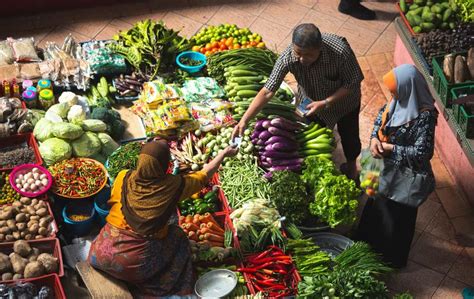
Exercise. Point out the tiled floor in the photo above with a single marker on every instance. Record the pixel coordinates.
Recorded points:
(440, 266)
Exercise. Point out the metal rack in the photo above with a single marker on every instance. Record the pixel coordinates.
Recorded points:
(466, 144)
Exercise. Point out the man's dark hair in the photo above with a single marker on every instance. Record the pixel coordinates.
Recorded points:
(307, 36)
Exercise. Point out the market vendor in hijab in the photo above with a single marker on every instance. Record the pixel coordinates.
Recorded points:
(137, 244)
(403, 134)
(328, 76)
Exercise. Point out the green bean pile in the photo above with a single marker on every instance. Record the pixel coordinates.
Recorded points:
(243, 181)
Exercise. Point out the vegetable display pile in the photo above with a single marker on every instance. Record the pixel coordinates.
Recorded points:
(16, 155)
(425, 16)
(274, 108)
(459, 68)
(32, 181)
(205, 201)
(315, 140)
(25, 290)
(288, 194)
(150, 46)
(26, 262)
(257, 225)
(129, 85)
(243, 181)
(125, 157)
(77, 177)
(309, 259)
(276, 144)
(100, 94)
(190, 62)
(7, 193)
(271, 272)
(260, 60)
(225, 37)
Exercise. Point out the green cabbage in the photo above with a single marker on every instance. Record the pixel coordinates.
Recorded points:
(43, 130)
(94, 125)
(54, 150)
(87, 145)
(60, 109)
(108, 144)
(76, 114)
(67, 131)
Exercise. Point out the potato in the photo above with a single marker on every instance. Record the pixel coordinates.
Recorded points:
(7, 276)
(5, 230)
(25, 200)
(35, 217)
(2, 237)
(5, 264)
(33, 229)
(17, 204)
(30, 210)
(22, 234)
(15, 210)
(45, 221)
(16, 235)
(5, 215)
(43, 231)
(49, 262)
(21, 226)
(33, 255)
(9, 238)
(42, 212)
(12, 225)
(18, 263)
(39, 237)
(22, 248)
(34, 269)
(28, 237)
(21, 217)
(17, 276)
(3, 223)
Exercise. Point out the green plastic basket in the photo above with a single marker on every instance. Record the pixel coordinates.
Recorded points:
(463, 117)
(441, 84)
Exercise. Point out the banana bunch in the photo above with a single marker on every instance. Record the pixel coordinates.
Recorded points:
(315, 140)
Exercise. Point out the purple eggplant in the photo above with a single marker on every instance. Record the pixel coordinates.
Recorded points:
(285, 162)
(258, 125)
(285, 124)
(280, 132)
(275, 139)
(295, 167)
(260, 142)
(266, 124)
(255, 133)
(280, 155)
(285, 146)
(264, 136)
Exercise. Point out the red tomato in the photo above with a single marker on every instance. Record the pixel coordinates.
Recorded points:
(215, 45)
(208, 47)
(223, 47)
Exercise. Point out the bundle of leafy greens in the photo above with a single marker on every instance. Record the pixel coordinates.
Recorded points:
(315, 168)
(288, 194)
(150, 46)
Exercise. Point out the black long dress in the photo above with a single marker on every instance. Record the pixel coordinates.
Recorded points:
(387, 225)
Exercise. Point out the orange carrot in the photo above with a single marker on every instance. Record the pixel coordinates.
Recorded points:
(181, 219)
(193, 236)
(196, 222)
(189, 219)
(213, 243)
(215, 227)
(192, 226)
(210, 230)
(208, 218)
(202, 225)
(213, 237)
(196, 216)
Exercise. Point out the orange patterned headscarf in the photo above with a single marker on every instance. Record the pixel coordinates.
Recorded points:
(390, 81)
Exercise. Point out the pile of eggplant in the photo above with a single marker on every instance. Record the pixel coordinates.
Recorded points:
(129, 85)
(275, 140)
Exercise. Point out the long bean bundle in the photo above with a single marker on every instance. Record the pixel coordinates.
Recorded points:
(360, 257)
(261, 60)
(310, 259)
(242, 181)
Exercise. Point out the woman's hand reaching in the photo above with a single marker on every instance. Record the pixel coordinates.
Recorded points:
(230, 151)
(376, 148)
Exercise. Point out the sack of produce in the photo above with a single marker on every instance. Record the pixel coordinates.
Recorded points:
(60, 109)
(54, 150)
(87, 145)
(108, 144)
(43, 130)
(369, 175)
(94, 125)
(67, 131)
(76, 114)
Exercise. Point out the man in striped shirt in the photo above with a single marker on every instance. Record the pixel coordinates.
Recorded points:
(328, 74)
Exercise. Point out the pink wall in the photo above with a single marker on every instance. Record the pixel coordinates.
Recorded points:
(448, 147)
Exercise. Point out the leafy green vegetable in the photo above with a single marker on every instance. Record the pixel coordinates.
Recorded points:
(309, 259)
(315, 168)
(403, 296)
(335, 200)
(288, 194)
(360, 257)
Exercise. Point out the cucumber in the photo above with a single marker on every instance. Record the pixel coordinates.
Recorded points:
(413, 6)
(426, 26)
(246, 79)
(247, 93)
(447, 14)
(238, 67)
(417, 29)
(255, 87)
(241, 73)
(417, 20)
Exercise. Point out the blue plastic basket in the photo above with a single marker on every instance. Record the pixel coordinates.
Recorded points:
(192, 55)
(100, 205)
(79, 228)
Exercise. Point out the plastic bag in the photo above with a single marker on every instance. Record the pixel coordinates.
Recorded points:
(6, 53)
(369, 175)
(24, 49)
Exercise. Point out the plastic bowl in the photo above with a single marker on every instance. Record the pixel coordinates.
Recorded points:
(22, 169)
(192, 55)
(79, 228)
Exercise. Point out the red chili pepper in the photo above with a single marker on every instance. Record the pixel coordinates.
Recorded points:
(258, 288)
(271, 259)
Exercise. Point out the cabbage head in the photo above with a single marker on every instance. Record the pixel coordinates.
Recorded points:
(108, 144)
(54, 150)
(67, 131)
(60, 109)
(43, 130)
(76, 114)
(87, 145)
(94, 125)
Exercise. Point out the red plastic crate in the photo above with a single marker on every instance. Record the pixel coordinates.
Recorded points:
(19, 139)
(53, 225)
(404, 18)
(50, 280)
(47, 245)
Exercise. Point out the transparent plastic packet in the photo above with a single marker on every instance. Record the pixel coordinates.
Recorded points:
(369, 175)
(6, 53)
(24, 49)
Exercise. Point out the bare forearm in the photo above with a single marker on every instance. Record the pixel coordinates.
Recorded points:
(262, 98)
(212, 167)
